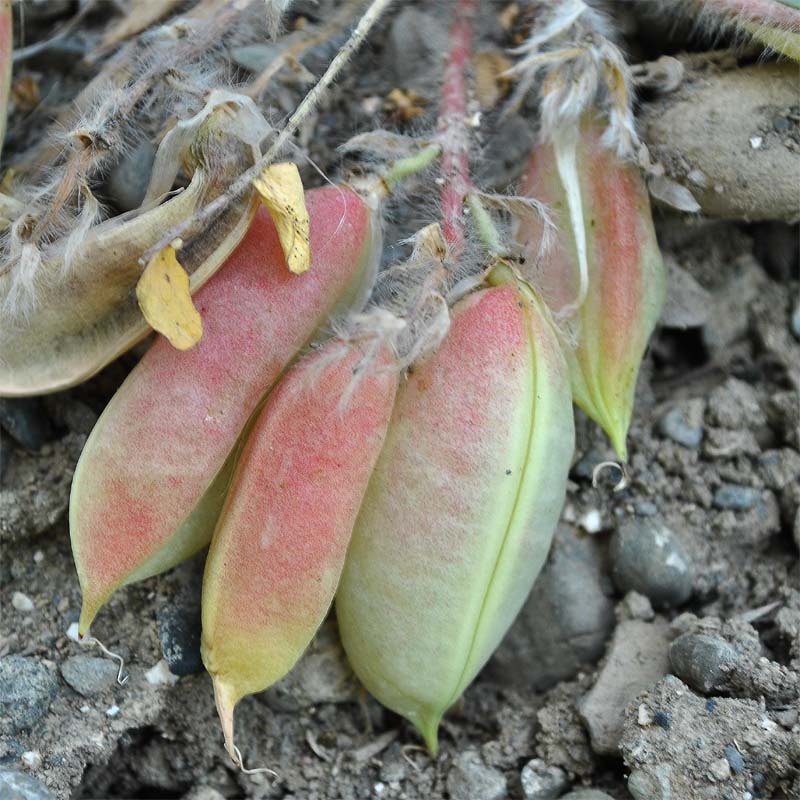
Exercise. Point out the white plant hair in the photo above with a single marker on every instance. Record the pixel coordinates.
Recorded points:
(576, 67)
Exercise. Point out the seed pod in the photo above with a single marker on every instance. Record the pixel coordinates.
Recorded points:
(278, 551)
(461, 508)
(602, 211)
(153, 474)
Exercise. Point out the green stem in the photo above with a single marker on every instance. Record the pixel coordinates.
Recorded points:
(485, 227)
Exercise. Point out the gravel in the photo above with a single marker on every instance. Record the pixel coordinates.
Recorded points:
(736, 498)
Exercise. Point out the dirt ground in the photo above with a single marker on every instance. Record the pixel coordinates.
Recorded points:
(659, 654)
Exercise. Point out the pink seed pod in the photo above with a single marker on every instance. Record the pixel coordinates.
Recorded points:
(278, 550)
(461, 508)
(604, 278)
(153, 474)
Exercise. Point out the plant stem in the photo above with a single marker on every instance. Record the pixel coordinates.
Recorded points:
(454, 127)
(208, 213)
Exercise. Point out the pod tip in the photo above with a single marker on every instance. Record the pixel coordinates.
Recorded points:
(429, 729)
(225, 704)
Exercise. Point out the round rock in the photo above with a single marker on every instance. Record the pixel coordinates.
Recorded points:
(469, 778)
(587, 794)
(88, 675)
(647, 558)
(702, 661)
(542, 782)
(27, 687)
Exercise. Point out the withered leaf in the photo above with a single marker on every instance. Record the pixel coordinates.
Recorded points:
(281, 191)
(165, 300)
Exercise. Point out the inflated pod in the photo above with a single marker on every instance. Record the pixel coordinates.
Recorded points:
(603, 219)
(461, 507)
(153, 474)
(278, 551)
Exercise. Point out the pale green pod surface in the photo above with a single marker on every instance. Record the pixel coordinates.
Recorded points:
(461, 508)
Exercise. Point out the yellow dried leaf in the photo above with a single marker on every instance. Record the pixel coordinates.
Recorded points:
(281, 191)
(165, 300)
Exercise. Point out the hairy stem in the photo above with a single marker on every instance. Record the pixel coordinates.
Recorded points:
(208, 213)
(454, 127)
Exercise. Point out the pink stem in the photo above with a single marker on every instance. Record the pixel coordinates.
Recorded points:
(453, 127)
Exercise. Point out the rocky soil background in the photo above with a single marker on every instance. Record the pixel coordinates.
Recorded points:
(658, 656)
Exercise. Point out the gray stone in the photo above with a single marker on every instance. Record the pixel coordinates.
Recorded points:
(587, 794)
(128, 180)
(565, 622)
(687, 304)
(179, 622)
(644, 784)
(684, 423)
(470, 779)
(27, 687)
(19, 786)
(26, 420)
(203, 793)
(702, 661)
(88, 675)
(542, 782)
(647, 558)
(637, 659)
(736, 498)
(734, 758)
(795, 323)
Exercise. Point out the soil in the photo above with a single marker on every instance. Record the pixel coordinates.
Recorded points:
(715, 459)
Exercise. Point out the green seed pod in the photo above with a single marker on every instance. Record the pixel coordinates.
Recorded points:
(461, 507)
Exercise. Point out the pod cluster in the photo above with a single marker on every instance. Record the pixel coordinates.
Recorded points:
(424, 504)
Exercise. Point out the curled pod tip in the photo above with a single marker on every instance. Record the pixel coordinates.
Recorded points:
(279, 547)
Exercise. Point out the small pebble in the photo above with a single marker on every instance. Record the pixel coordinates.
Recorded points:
(469, 778)
(21, 602)
(795, 324)
(112, 711)
(160, 675)
(32, 759)
(644, 508)
(720, 769)
(684, 423)
(72, 632)
(637, 606)
(643, 785)
(587, 794)
(542, 782)
(734, 759)
(702, 661)
(26, 420)
(591, 521)
(736, 498)
(647, 558)
(88, 675)
(38, 557)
